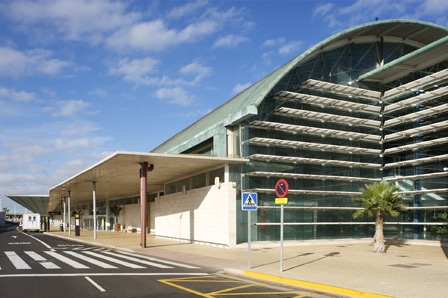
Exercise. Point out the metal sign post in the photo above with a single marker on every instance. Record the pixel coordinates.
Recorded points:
(281, 190)
(281, 238)
(249, 202)
(249, 236)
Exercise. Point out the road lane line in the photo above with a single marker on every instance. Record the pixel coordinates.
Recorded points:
(16, 260)
(91, 260)
(66, 260)
(37, 257)
(137, 260)
(95, 284)
(123, 263)
(104, 274)
(37, 239)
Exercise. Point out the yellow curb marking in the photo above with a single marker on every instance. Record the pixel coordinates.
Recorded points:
(175, 282)
(314, 286)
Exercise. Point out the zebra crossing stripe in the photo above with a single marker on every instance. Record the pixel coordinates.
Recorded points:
(163, 261)
(66, 260)
(91, 260)
(123, 263)
(137, 260)
(37, 257)
(16, 260)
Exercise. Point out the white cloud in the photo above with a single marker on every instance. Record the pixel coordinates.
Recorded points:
(230, 40)
(195, 68)
(240, 87)
(99, 92)
(15, 63)
(17, 96)
(292, 47)
(72, 19)
(323, 9)
(362, 11)
(66, 108)
(435, 7)
(274, 42)
(69, 168)
(74, 144)
(137, 70)
(176, 95)
(155, 36)
(77, 128)
(187, 9)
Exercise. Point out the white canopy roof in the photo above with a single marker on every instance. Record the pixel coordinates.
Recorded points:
(118, 175)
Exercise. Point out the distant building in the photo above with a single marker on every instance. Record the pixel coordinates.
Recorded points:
(366, 104)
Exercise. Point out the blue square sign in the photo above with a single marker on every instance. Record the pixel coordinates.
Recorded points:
(249, 201)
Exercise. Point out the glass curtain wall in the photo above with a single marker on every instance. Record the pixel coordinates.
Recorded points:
(328, 144)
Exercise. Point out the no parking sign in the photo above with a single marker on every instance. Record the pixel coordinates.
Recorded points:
(281, 188)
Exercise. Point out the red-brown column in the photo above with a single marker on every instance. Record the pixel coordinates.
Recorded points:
(143, 201)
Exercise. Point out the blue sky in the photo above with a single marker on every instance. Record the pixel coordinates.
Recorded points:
(82, 79)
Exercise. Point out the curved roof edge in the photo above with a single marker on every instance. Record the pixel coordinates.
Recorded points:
(231, 111)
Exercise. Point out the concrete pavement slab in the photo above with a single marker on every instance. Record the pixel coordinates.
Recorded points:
(344, 268)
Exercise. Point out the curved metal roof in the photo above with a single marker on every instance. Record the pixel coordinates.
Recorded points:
(430, 40)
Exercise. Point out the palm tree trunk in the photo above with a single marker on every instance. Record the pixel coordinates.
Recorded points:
(378, 239)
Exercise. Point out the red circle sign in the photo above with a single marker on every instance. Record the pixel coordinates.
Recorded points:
(281, 188)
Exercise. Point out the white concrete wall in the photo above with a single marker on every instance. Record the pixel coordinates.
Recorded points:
(206, 215)
(152, 220)
(130, 215)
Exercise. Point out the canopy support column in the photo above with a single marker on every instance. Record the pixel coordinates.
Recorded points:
(64, 215)
(94, 209)
(143, 201)
(69, 214)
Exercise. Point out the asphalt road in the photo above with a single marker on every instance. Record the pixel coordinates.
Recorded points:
(38, 265)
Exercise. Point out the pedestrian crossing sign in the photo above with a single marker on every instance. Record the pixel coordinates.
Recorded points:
(249, 201)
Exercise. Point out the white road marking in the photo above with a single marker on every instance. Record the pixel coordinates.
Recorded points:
(95, 284)
(126, 264)
(104, 274)
(137, 260)
(162, 261)
(37, 257)
(66, 260)
(91, 260)
(16, 260)
(37, 239)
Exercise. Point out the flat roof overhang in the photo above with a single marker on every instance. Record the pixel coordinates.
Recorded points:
(118, 175)
(34, 203)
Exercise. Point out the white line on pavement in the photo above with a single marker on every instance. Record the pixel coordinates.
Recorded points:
(91, 260)
(137, 260)
(123, 263)
(95, 284)
(66, 260)
(16, 260)
(104, 274)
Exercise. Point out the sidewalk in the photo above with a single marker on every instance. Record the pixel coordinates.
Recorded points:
(345, 268)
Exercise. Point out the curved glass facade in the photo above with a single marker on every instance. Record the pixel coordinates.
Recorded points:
(328, 134)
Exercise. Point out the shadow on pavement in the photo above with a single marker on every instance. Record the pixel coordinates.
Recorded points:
(331, 254)
(301, 255)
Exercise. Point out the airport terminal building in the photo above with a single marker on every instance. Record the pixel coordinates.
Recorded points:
(366, 104)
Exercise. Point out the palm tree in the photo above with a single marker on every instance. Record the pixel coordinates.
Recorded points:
(116, 209)
(379, 199)
(6, 210)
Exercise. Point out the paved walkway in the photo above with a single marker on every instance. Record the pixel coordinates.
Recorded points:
(344, 268)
